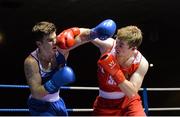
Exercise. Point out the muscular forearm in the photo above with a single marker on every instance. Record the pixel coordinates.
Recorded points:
(128, 88)
(84, 35)
(82, 38)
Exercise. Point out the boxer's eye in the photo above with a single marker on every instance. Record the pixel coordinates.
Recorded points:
(50, 39)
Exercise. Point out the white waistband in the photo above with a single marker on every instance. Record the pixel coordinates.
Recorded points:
(111, 95)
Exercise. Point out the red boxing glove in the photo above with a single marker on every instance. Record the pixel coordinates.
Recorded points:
(109, 64)
(66, 39)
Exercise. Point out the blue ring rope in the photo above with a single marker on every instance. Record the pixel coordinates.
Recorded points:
(13, 110)
(23, 86)
(14, 86)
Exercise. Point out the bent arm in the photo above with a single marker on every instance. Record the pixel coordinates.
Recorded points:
(131, 87)
(33, 78)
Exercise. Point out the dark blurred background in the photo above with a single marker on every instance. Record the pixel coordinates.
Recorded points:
(158, 20)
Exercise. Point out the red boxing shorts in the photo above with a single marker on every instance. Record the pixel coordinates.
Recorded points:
(118, 107)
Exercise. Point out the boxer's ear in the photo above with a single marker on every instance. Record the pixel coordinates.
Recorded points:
(133, 48)
(38, 43)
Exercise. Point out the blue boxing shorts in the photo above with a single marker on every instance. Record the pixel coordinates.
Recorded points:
(45, 108)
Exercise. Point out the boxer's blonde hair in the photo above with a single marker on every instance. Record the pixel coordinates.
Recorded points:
(131, 34)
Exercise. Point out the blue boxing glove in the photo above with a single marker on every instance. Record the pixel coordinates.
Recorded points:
(104, 30)
(61, 77)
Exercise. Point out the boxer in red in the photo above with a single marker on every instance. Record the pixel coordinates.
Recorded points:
(121, 70)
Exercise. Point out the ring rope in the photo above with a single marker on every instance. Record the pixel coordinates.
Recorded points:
(89, 88)
(63, 87)
(164, 109)
(13, 86)
(88, 110)
(162, 89)
(26, 110)
(13, 110)
(95, 88)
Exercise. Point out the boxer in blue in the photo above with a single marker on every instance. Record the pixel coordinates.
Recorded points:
(46, 68)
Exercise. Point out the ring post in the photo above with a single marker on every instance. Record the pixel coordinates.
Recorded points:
(145, 100)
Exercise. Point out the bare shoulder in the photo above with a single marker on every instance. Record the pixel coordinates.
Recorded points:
(145, 62)
(33, 78)
(29, 61)
(144, 65)
(30, 66)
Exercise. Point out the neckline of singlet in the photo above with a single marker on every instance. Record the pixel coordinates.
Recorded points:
(40, 65)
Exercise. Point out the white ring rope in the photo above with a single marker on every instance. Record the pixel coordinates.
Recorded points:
(26, 110)
(161, 89)
(82, 88)
(90, 110)
(89, 88)
(80, 110)
(164, 109)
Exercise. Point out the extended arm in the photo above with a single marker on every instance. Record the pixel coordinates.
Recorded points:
(74, 37)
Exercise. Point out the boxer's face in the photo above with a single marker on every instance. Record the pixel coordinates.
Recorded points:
(47, 46)
(122, 48)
